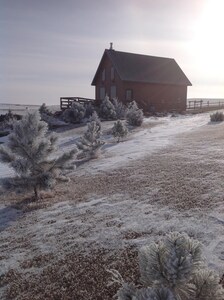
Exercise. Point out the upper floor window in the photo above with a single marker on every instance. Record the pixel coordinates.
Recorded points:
(129, 95)
(103, 75)
(102, 93)
(113, 92)
(112, 74)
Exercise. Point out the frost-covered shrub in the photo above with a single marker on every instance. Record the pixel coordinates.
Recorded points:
(134, 115)
(8, 120)
(75, 114)
(44, 110)
(51, 121)
(119, 130)
(29, 152)
(107, 110)
(90, 143)
(89, 109)
(120, 109)
(217, 117)
(94, 117)
(173, 269)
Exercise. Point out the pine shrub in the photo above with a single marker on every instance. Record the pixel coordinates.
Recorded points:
(89, 109)
(75, 114)
(44, 110)
(217, 117)
(173, 269)
(94, 117)
(107, 109)
(90, 143)
(120, 109)
(30, 152)
(134, 115)
(119, 130)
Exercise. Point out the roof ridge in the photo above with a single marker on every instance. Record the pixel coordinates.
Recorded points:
(139, 54)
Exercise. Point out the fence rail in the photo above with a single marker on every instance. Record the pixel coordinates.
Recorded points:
(202, 104)
(66, 102)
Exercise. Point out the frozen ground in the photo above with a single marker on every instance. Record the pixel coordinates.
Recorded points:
(162, 178)
(141, 143)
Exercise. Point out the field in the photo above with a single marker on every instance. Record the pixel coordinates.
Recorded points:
(167, 176)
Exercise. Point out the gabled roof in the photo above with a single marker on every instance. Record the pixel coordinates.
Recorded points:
(144, 68)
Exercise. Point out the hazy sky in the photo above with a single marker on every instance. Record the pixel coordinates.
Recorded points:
(51, 48)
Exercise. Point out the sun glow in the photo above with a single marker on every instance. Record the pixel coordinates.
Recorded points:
(208, 43)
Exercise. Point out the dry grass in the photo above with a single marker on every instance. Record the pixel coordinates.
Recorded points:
(186, 176)
(76, 276)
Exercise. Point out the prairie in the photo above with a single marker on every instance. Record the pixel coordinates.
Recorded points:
(166, 176)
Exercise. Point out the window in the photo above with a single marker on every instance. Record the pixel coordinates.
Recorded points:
(129, 95)
(112, 75)
(103, 75)
(113, 92)
(102, 93)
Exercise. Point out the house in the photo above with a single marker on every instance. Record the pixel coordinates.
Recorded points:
(155, 83)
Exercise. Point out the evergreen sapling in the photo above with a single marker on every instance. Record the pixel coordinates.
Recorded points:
(94, 117)
(30, 152)
(107, 110)
(120, 109)
(173, 269)
(89, 109)
(119, 130)
(75, 114)
(134, 115)
(44, 110)
(90, 142)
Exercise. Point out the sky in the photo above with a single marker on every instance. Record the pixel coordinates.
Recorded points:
(52, 48)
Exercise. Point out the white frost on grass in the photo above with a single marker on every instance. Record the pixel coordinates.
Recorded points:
(145, 142)
(139, 144)
(116, 221)
(112, 222)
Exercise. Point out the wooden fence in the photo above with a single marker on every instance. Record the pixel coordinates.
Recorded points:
(204, 105)
(66, 102)
(192, 105)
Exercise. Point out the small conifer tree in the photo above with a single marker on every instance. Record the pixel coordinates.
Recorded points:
(90, 142)
(107, 110)
(30, 153)
(44, 110)
(119, 130)
(120, 108)
(217, 117)
(75, 114)
(134, 115)
(94, 117)
(89, 109)
(173, 269)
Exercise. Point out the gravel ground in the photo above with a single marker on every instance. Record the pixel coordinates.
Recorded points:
(62, 246)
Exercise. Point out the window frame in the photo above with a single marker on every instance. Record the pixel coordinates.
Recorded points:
(101, 88)
(115, 88)
(131, 94)
(112, 74)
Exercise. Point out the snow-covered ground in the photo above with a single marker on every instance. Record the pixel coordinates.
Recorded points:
(142, 143)
(177, 173)
(156, 134)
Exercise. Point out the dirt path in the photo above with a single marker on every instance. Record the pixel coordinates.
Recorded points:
(97, 222)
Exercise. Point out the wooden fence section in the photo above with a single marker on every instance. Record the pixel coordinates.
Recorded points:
(204, 105)
(66, 102)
